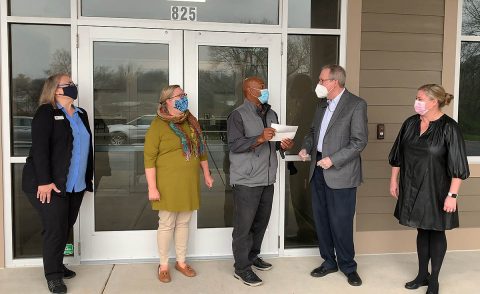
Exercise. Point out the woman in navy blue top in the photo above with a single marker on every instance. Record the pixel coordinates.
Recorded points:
(58, 171)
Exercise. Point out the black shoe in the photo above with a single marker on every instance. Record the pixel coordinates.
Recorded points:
(354, 279)
(57, 286)
(261, 265)
(322, 271)
(68, 274)
(415, 284)
(248, 277)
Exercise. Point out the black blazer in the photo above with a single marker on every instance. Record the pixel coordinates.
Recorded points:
(51, 151)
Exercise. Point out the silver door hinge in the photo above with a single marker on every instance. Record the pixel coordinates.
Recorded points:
(77, 43)
(79, 248)
(281, 48)
(278, 241)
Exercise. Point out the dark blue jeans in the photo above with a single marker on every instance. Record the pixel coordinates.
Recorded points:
(333, 211)
(251, 213)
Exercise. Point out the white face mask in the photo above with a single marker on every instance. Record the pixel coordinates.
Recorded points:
(321, 91)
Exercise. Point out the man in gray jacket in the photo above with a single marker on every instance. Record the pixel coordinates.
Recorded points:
(253, 167)
(338, 134)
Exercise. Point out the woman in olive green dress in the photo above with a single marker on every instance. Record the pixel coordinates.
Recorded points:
(174, 152)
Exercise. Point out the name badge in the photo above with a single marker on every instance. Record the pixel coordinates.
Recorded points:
(59, 117)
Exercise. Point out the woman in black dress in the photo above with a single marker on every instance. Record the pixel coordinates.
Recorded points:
(429, 154)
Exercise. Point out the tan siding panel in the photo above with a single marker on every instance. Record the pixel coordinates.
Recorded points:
(391, 131)
(375, 205)
(470, 187)
(401, 60)
(389, 114)
(470, 219)
(387, 222)
(398, 78)
(376, 169)
(402, 42)
(377, 151)
(386, 204)
(389, 96)
(378, 222)
(374, 187)
(424, 7)
(372, 22)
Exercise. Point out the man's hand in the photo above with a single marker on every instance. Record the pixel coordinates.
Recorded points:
(267, 135)
(286, 144)
(325, 163)
(303, 154)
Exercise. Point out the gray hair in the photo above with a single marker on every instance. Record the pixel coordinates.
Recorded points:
(337, 73)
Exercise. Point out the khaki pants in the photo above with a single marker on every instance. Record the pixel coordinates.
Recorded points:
(170, 223)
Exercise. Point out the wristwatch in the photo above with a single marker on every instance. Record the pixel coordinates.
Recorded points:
(453, 195)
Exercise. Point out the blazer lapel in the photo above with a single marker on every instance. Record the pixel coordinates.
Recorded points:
(338, 110)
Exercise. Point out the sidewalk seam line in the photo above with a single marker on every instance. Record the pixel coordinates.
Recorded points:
(108, 279)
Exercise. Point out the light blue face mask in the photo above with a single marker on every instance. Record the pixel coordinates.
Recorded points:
(263, 98)
(182, 104)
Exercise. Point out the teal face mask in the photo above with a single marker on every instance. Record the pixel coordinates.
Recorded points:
(263, 98)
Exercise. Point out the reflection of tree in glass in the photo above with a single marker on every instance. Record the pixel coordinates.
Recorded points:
(469, 100)
(298, 57)
(61, 62)
(471, 17)
(244, 61)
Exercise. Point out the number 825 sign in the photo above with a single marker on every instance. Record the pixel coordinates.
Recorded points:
(183, 13)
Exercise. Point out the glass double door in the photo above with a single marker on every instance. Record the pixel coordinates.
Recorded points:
(121, 72)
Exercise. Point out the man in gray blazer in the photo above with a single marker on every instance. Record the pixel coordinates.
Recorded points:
(337, 135)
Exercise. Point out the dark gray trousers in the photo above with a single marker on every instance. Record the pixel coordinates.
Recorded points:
(251, 213)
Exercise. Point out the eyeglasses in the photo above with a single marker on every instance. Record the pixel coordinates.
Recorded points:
(66, 85)
(179, 95)
(322, 81)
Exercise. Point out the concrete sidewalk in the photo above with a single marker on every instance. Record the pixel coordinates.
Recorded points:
(381, 274)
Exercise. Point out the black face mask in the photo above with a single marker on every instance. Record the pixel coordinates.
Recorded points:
(71, 91)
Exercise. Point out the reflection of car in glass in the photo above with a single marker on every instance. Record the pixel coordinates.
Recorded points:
(131, 131)
(22, 129)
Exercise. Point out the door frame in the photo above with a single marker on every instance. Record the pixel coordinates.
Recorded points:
(94, 244)
(270, 245)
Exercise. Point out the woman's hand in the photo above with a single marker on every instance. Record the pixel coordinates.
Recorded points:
(153, 194)
(450, 204)
(44, 192)
(394, 188)
(208, 180)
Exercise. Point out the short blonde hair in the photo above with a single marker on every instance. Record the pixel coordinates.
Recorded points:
(49, 88)
(435, 91)
(166, 94)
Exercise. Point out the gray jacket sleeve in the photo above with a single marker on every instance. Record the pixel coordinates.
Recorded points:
(237, 141)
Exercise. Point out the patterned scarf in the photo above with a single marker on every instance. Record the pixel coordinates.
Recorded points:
(192, 143)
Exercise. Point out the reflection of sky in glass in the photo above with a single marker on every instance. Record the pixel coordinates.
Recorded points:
(299, 13)
(45, 8)
(142, 55)
(233, 11)
(44, 40)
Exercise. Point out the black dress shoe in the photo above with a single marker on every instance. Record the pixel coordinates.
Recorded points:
(354, 279)
(57, 286)
(68, 274)
(415, 284)
(322, 271)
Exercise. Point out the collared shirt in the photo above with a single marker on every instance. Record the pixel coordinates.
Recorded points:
(81, 145)
(327, 116)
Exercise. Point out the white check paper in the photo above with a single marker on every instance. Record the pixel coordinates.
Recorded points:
(283, 132)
